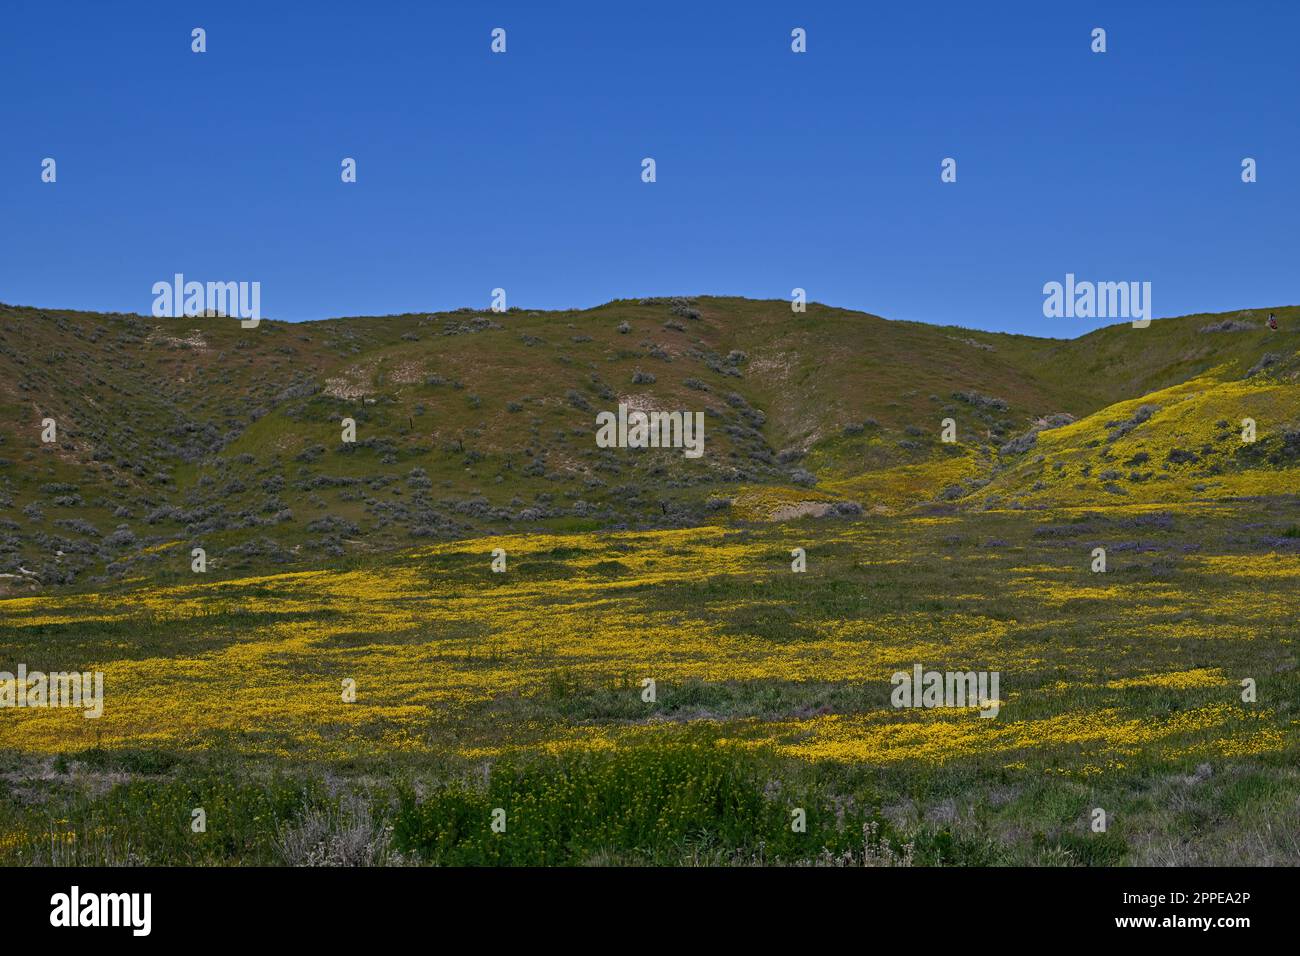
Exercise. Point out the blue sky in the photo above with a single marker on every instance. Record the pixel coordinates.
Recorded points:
(775, 170)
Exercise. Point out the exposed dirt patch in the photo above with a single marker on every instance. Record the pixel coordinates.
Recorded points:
(802, 509)
(344, 387)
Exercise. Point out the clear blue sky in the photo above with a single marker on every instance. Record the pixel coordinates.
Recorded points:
(775, 170)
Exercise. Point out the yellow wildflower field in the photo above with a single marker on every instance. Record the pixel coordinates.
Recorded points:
(448, 657)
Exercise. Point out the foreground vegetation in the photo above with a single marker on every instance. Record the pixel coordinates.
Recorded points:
(523, 692)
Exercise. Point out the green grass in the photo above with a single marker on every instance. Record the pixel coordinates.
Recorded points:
(689, 798)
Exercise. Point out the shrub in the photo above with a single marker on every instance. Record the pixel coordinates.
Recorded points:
(1267, 359)
(980, 401)
(683, 308)
(1020, 444)
(1143, 413)
(656, 801)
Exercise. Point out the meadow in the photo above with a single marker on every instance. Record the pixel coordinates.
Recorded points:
(524, 693)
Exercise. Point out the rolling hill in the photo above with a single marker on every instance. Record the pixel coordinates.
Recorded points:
(172, 434)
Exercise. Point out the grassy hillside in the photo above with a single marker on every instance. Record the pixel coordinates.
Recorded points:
(182, 433)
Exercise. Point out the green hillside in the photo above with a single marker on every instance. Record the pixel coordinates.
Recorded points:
(182, 433)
